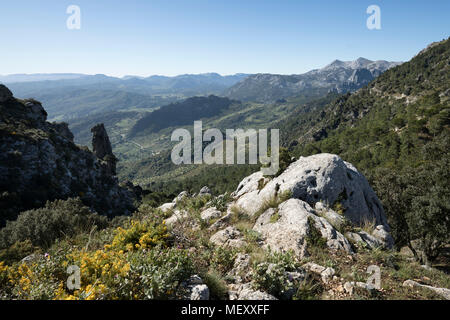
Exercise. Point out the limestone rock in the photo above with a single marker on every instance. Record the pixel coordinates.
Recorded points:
(229, 236)
(443, 292)
(195, 289)
(177, 216)
(181, 196)
(321, 177)
(210, 213)
(39, 161)
(167, 206)
(291, 229)
(221, 223)
(326, 274)
(332, 216)
(362, 237)
(204, 191)
(200, 292)
(102, 147)
(246, 292)
(241, 268)
(382, 234)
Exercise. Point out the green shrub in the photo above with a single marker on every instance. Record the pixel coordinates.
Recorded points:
(216, 284)
(57, 219)
(271, 275)
(17, 251)
(314, 237)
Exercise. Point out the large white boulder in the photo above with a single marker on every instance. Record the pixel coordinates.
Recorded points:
(322, 177)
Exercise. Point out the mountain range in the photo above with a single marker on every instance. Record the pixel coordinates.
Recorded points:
(339, 76)
(68, 96)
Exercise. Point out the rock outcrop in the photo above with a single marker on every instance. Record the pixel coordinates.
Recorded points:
(293, 227)
(313, 186)
(102, 148)
(322, 178)
(5, 93)
(39, 161)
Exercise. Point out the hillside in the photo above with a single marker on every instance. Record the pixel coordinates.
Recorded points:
(181, 113)
(288, 246)
(339, 76)
(72, 96)
(39, 161)
(397, 131)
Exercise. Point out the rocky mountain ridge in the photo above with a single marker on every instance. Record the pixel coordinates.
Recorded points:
(339, 76)
(39, 162)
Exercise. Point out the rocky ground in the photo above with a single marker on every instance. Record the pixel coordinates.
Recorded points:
(316, 231)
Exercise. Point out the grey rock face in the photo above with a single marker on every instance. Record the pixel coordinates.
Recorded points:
(204, 191)
(246, 292)
(200, 292)
(102, 148)
(363, 238)
(210, 213)
(40, 162)
(382, 234)
(181, 196)
(63, 129)
(230, 237)
(292, 228)
(443, 292)
(195, 289)
(5, 93)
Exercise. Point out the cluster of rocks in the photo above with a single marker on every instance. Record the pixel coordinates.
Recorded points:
(313, 186)
(320, 192)
(39, 161)
(179, 214)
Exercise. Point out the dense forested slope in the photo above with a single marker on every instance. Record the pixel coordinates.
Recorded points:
(396, 130)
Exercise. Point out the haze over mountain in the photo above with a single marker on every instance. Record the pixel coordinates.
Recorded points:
(339, 76)
(68, 96)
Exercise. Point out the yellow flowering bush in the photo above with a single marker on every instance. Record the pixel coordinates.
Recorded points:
(135, 262)
(101, 272)
(140, 235)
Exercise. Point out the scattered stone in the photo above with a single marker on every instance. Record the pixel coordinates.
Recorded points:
(195, 289)
(204, 191)
(177, 216)
(246, 292)
(230, 237)
(348, 287)
(167, 206)
(443, 292)
(326, 274)
(200, 292)
(210, 213)
(364, 238)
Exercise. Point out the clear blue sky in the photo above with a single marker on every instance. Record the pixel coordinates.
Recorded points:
(170, 37)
